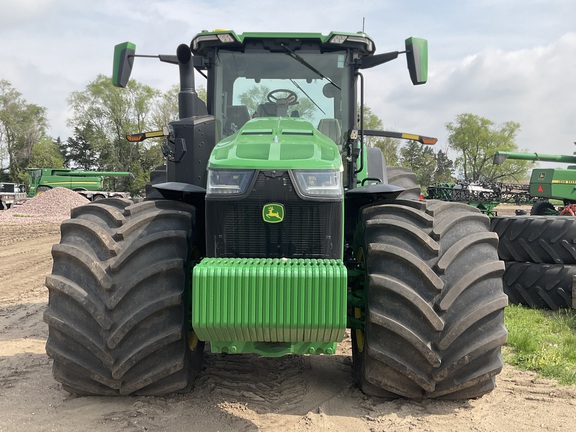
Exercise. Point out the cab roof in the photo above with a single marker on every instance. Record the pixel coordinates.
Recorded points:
(205, 41)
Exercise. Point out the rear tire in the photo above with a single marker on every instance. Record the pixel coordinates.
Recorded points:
(158, 175)
(434, 311)
(404, 177)
(118, 309)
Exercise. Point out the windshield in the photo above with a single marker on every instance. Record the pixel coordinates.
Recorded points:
(254, 84)
(35, 176)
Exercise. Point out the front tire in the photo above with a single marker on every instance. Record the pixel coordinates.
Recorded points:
(118, 308)
(434, 309)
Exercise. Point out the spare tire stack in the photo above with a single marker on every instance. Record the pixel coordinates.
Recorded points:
(540, 257)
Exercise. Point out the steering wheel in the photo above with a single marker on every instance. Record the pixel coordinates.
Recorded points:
(290, 98)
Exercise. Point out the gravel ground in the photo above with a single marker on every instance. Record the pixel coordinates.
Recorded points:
(51, 206)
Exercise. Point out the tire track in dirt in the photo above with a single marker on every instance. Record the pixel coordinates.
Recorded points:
(23, 260)
(23, 297)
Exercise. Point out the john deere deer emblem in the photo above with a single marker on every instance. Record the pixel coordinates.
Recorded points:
(273, 213)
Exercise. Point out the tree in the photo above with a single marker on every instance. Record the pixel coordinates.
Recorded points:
(77, 150)
(421, 159)
(476, 139)
(46, 154)
(166, 108)
(389, 146)
(104, 115)
(444, 167)
(21, 126)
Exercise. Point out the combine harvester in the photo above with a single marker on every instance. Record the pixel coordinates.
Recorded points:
(89, 184)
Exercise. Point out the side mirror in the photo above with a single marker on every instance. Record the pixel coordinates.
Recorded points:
(417, 59)
(123, 60)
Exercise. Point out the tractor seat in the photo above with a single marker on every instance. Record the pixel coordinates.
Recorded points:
(267, 109)
(331, 128)
(236, 117)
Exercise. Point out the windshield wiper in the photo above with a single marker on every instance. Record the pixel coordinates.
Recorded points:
(307, 95)
(295, 56)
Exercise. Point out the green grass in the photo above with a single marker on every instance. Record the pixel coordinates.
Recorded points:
(542, 341)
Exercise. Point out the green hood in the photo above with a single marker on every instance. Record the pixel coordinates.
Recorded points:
(276, 143)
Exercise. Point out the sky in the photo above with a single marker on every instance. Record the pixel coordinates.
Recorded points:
(505, 60)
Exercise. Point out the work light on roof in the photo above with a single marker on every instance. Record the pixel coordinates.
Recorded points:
(222, 37)
(338, 39)
(225, 38)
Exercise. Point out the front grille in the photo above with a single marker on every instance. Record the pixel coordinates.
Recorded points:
(236, 229)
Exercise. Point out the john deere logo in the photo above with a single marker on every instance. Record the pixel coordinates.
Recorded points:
(273, 213)
(541, 176)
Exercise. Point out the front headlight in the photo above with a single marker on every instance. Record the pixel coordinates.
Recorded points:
(319, 184)
(228, 182)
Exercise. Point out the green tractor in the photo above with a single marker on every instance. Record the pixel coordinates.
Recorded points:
(272, 229)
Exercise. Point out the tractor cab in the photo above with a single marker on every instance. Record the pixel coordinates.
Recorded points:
(290, 77)
(310, 77)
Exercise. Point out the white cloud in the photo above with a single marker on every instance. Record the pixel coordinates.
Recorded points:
(14, 12)
(533, 87)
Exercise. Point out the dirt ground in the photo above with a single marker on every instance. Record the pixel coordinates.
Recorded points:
(234, 393)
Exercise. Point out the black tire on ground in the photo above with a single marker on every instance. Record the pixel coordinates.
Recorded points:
(539, 286)
(118, 310)
(42, 189)
(404, 177)
(434, 315)
(539, 239)
(540, 208)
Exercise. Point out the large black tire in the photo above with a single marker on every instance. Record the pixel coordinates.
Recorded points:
(539, 286)
(434, 311)
(118, 308)
(404, 177)
(538, 239)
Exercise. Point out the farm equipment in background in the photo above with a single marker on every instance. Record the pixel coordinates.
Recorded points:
(272, 229)
(11, 194)
(548, 183)
(539, 249)
(484, 196)
(89, 184)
